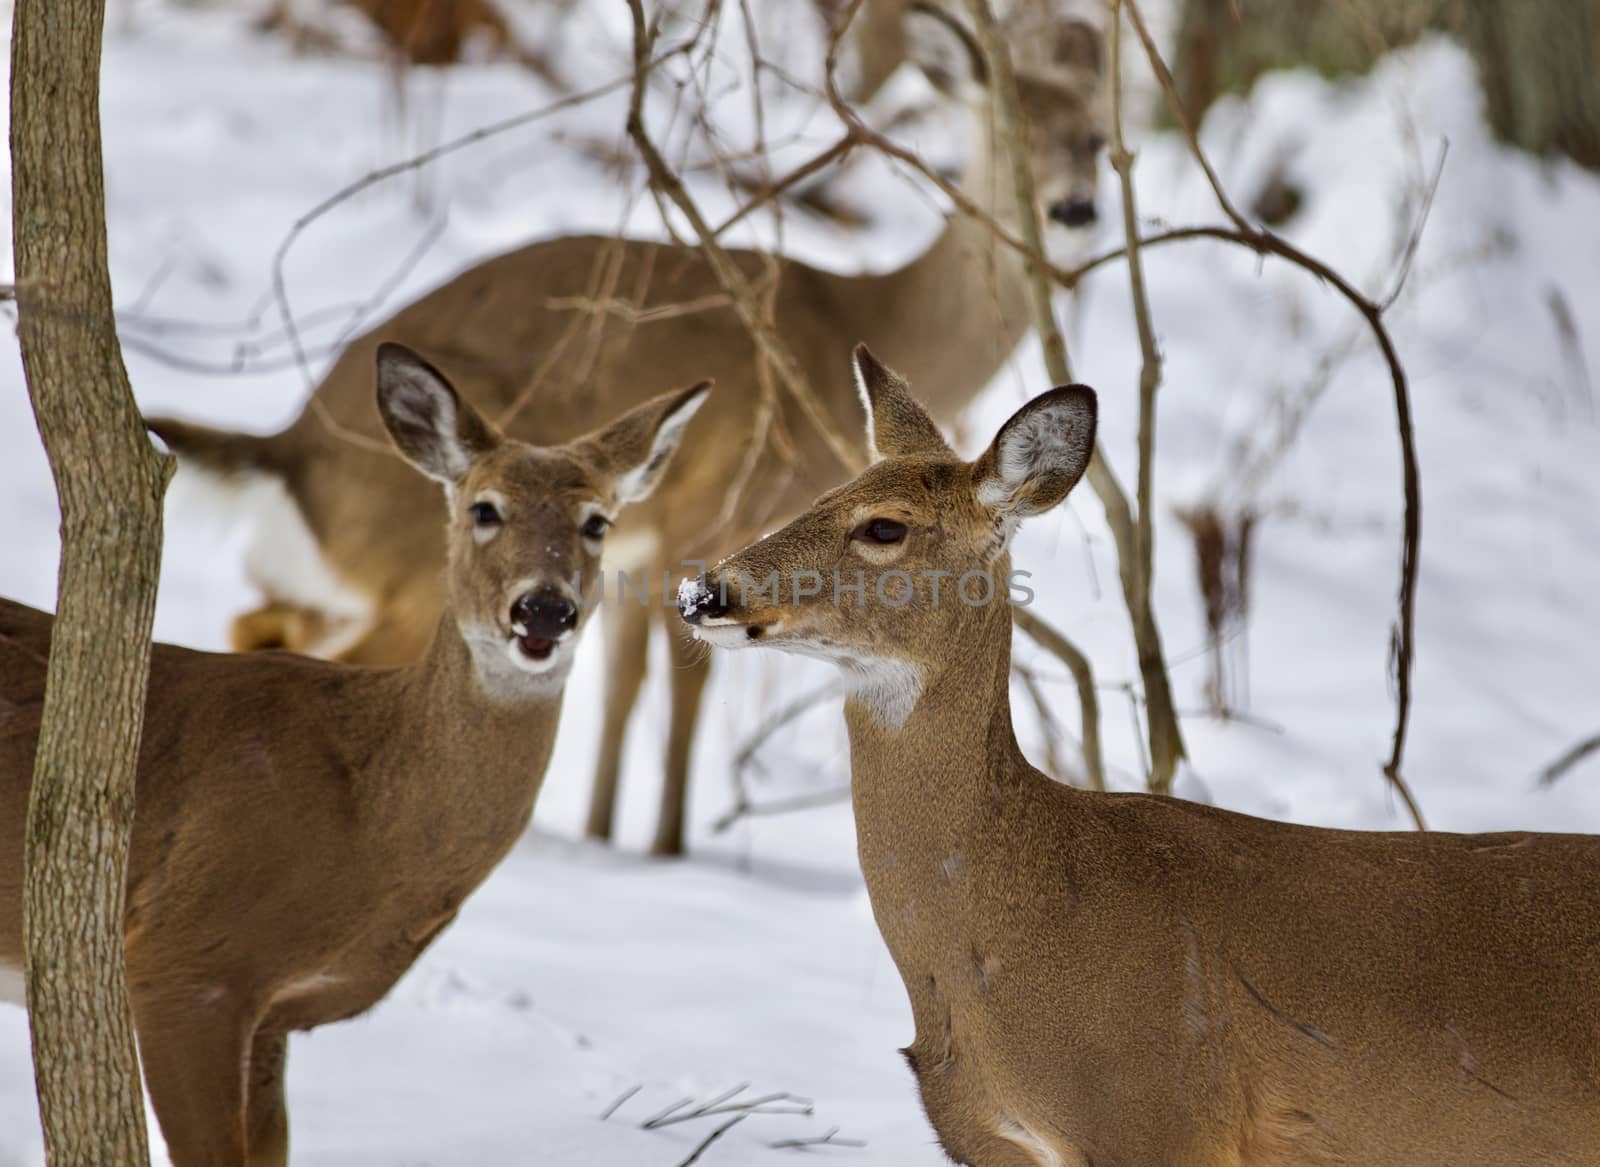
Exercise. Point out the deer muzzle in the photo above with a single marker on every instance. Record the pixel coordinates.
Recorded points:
(540, 618)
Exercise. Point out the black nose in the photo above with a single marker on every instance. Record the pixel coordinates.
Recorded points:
(703, 599)
(1074, 212)
(546, 613)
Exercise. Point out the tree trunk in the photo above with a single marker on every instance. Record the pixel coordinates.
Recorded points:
(1536, 58)
(110, 481)
(1539, 64)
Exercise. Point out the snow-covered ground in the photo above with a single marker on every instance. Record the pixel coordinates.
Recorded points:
(577, 973)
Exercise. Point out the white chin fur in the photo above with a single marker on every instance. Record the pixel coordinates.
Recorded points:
(560, 655)
(1068, 246)
(729, 636)
(507, 674)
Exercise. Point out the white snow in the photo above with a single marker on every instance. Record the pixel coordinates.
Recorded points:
(691, 594)
(578, 973)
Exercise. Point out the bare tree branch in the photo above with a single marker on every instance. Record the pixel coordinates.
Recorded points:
(1149, 381)
(866, 135)
(1262, 241)
(746, 300)
(1165, 735)
(776, 187)
(1077, 663)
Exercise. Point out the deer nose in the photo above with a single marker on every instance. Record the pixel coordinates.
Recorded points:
(697, 599)
(1073, 212)
(546, 613)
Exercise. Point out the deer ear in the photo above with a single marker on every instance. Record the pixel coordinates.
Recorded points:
(1079, 47)
(945, 51)
(437, 432)
(1039, 454)
(638, 446)
(896, 425)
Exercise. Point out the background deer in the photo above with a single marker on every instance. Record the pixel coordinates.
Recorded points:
(304, 829)
(346, 560)
(1126, 979)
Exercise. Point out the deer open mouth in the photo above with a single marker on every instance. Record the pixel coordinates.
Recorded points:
(531, 646)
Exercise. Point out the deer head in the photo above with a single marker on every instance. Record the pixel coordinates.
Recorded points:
(527, 523)
(891, 574)
(1059, 84)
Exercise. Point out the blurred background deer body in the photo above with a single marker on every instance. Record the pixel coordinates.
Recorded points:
(1127, 979)
(516, 335)
(304, 829)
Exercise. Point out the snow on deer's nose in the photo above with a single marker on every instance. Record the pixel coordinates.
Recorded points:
(696, 601)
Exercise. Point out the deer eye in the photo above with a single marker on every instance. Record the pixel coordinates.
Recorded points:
(1097, 143)
(594, 527)
(484, 514)
(880, 531)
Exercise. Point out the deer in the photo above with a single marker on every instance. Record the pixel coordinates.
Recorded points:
(1123, 979)
(303, 829)
(341, 553)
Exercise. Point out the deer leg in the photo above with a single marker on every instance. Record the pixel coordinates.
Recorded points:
(276, 624)
(266, 1117)
(194, 1067)
(627, 635)
(401, 627)
(691, 666)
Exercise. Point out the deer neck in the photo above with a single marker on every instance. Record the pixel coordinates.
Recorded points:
(455, 726)
(969, 290)
(923, 788)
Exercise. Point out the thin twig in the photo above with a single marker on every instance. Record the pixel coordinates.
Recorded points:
(778, 1102)
(1165, 735)
(830, 1139)
(1056, 643)
(707, 1107)
(1164, 759)
(783, 717)
(1014, 132)
(772, 189)
(1568, 760)
(866, 135)
(1571, 348)
(660, 1116)
(1048, 724)
(750, 810)
(1408, 257)
(621, 1098)
(711, 1138)
(732, 279)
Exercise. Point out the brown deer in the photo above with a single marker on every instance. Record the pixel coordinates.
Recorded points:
(344, 557)
(303, 829)
(1125, 980)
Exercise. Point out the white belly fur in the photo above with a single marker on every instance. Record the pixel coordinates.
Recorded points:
(282, 557)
